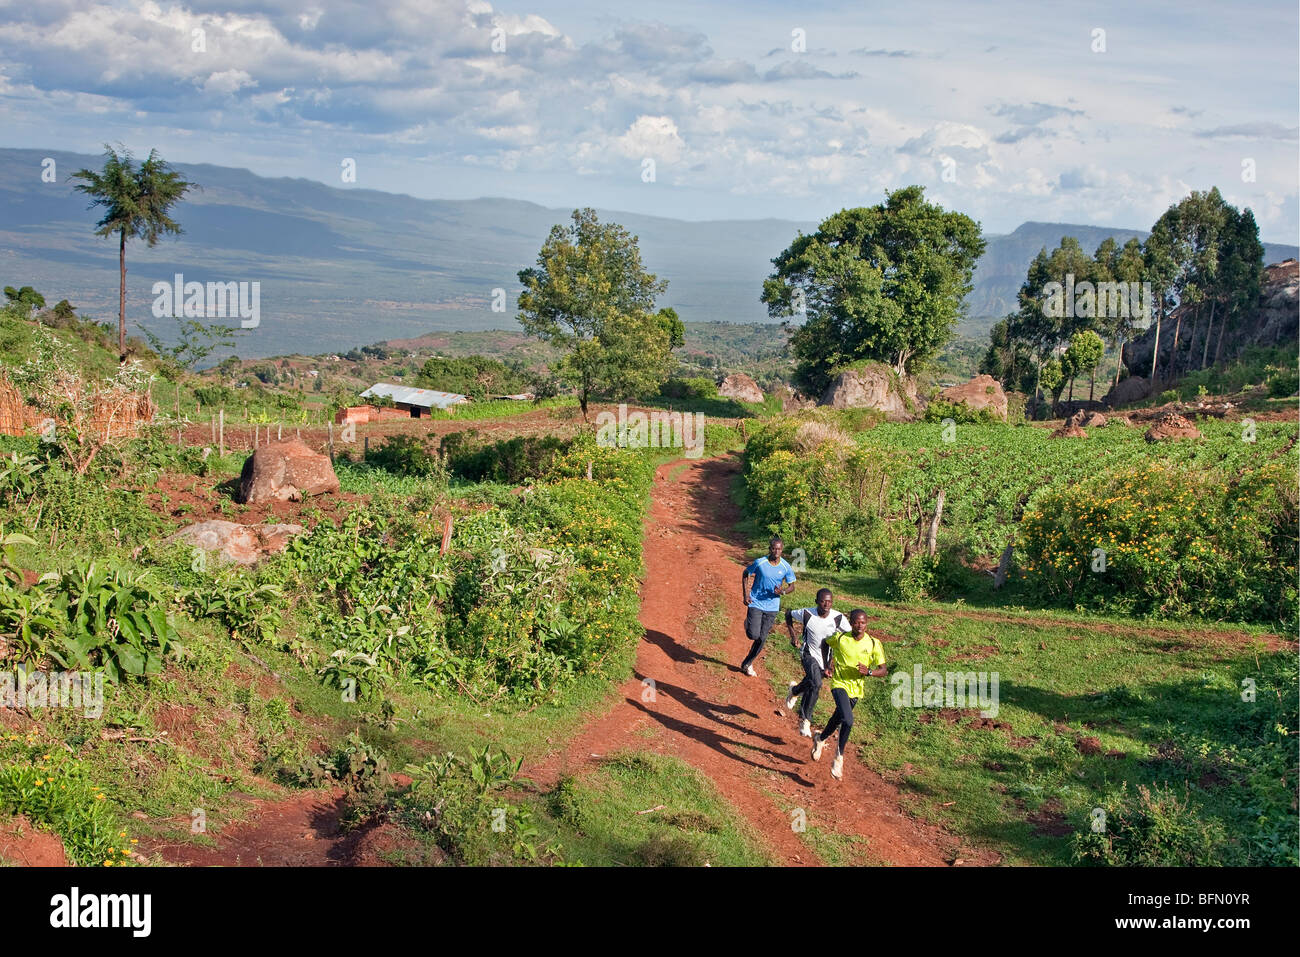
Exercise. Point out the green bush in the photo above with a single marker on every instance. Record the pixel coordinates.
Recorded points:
(512, 461)
(56, 794)
(1152, 828)
(960, 413)
(1175, 539)
(405, 455)
(693, 388)
(461, 803)
(1284, 382)
(827, 500)
(914, 581)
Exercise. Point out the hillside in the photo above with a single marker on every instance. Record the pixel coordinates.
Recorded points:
(344, 267)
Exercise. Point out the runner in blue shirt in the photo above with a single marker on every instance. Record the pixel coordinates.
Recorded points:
(773, 577)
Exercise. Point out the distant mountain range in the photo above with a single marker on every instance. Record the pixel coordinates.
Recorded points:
(341, 267)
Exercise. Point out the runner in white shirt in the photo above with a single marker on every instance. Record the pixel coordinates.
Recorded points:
(819, 623)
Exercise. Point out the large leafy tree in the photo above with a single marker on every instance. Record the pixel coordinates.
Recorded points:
(884, 283)
(590, 295)
(137, 202)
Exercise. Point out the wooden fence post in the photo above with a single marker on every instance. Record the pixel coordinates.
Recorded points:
(221, 432)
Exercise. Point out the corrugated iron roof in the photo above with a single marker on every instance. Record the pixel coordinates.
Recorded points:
(427, 398)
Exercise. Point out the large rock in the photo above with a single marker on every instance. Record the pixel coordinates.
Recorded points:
(1171, 425)
(874, 386)
(740, 387)
(1133, 389)
(285, 471)
(241, 544)
(981, 392)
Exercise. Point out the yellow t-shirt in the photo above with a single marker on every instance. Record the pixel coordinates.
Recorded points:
(849, 653)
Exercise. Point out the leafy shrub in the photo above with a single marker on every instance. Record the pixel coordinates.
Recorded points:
(520, 459)
(1175, 539)
(91, 615)
(914, 581)
(960, 413)
(110, 617)
(1152, 828)
(56, 794)
(1284, 382)
(693, 388)
(17, 482)
(807, 482)
(460, 802)
(405, 455)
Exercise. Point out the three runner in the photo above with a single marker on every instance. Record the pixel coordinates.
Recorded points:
(847, 652)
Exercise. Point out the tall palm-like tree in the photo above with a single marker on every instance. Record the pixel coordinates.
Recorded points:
(137, 201)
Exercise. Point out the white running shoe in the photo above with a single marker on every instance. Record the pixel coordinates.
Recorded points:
(818, 744)
(837, 767)
(805, 729)
(749, 670)
(790, 700)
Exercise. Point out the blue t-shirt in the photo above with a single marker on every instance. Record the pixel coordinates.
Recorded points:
(767, 577)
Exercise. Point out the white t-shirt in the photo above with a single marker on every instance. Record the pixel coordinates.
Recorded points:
(817, 629)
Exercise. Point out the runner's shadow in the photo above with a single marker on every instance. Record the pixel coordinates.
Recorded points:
(720, 744)
(707, 709)
(677, 651)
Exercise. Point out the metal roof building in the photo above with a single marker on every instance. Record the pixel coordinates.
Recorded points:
(405, 396)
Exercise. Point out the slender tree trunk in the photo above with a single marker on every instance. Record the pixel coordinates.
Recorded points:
(1205, 351)
(1191, 340)
(1038, 380)
(1218, 349)
(1119, 363)
(121, 299)
(1155, 350)
(1173, 353)
(1092, 383)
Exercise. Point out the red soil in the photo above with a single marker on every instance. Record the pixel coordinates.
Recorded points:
(729, 726)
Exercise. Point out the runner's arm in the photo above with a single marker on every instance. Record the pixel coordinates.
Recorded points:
(744, 585)
(789, 626)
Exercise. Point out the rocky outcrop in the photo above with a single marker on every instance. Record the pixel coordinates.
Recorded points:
(285, 471)
(874, 386)
(1274, 320)
(1083, 419)
(232, 542)
(1133, 389)
(981, 392)
(1171, 425)
(740, 387)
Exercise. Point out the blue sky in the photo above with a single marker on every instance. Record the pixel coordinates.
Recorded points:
(1015, 102)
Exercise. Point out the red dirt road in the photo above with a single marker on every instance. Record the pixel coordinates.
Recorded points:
(729, 726)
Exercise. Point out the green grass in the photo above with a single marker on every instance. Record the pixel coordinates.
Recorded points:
(596, 817)
(1163, 706)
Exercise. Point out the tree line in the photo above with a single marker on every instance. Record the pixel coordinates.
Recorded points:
(1202, 253)
(884, 283)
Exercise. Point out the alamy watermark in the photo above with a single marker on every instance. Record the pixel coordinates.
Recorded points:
(656, 430)
(1102, 300)
(946, 689)
(79, 690)
(215, 300)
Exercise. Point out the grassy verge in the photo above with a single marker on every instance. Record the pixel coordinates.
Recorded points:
(1091, 711)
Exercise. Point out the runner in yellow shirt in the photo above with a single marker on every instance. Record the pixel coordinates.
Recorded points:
(856, 657)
